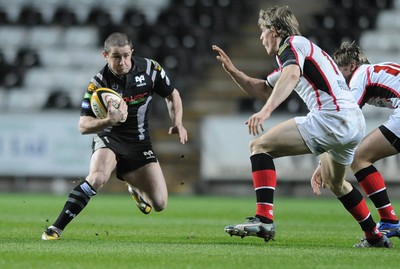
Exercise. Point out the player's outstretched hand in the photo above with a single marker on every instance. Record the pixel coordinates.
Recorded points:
(181, 131)
(224, 60)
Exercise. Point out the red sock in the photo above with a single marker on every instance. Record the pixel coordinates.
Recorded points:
(264, 180)
(374, 186)
(356, 205)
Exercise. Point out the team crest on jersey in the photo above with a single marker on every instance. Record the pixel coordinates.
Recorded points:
(140, 80)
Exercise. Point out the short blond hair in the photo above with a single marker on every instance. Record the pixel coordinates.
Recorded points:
(281, 19)
(349, 52)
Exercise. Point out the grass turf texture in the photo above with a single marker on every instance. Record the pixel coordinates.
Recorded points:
(112, 233)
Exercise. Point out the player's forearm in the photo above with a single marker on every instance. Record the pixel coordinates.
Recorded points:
(283, 88)
(175, 108)
(176, 115)
(252, 86)
(91, 125)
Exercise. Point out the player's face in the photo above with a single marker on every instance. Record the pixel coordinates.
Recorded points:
(269, 40)
(119, 59)
(346, 71)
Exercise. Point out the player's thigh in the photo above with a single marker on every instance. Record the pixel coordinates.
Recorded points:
(102, 164)
(150, 180)
(374, 147)
(281, 140)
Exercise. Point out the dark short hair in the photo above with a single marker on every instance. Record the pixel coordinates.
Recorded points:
(117, 39)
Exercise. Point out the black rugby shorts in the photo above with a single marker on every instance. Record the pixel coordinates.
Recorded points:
(130, 156)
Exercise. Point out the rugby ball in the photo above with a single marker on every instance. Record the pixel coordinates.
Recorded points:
(99, 101)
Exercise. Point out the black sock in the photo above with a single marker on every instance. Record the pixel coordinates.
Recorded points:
(76, 202)
(264, 219)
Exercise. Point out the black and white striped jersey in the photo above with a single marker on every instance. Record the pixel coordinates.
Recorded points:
(137, 88)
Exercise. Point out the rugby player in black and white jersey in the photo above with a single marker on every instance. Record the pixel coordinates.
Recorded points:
(121, 140)
(331, 130)
(376, 85)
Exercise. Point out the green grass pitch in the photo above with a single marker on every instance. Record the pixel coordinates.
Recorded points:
(112, 233)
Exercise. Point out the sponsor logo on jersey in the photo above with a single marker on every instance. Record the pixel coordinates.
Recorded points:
(138, 98)
(87, 95)
(282, 48)
(85, 105)
(343, 85)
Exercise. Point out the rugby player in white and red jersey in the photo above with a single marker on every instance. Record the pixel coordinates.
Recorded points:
(376, 85)
(331, 130)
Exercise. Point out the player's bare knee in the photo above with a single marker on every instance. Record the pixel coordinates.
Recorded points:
(257, 146)
(328, 185)
(159, 205)
(360, 163)
(338, 188)
(97, 180)
(357, 160)
(354, 166)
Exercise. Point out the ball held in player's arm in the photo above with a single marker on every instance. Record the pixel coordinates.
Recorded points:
(116, 114)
